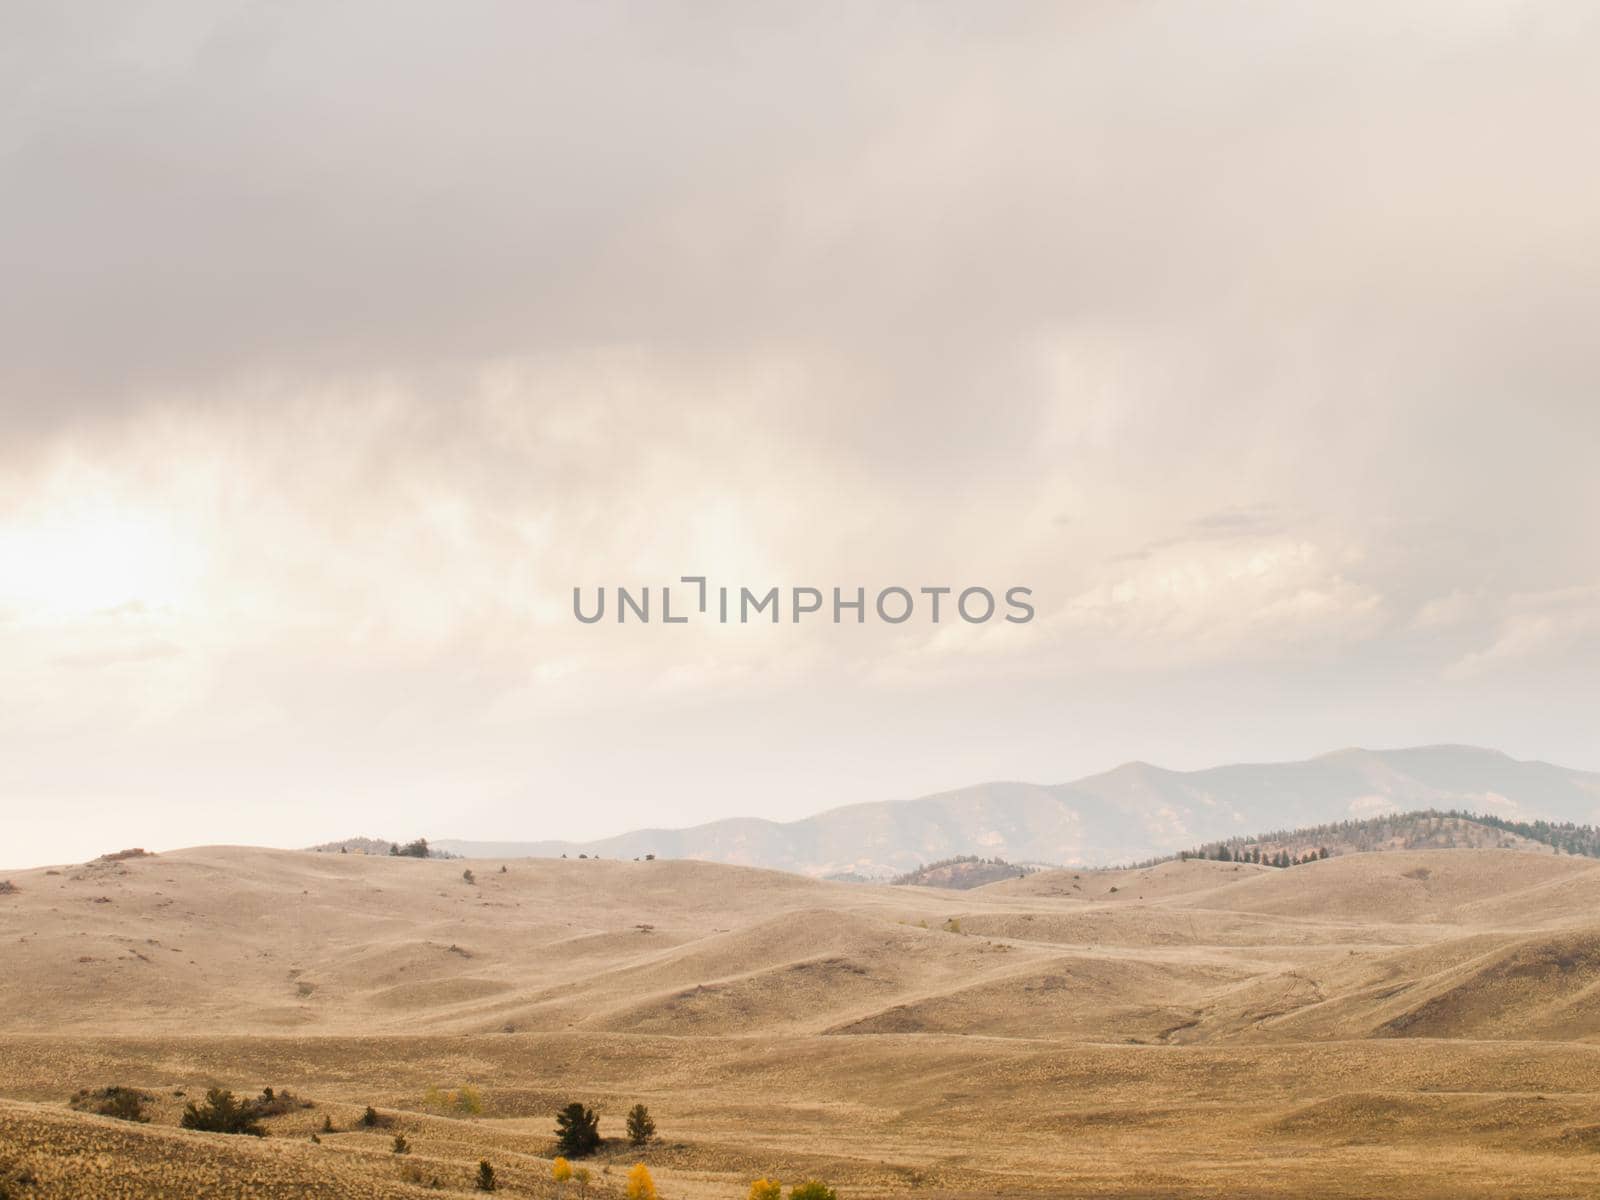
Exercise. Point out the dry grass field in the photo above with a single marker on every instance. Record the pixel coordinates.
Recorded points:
(1406, 1025)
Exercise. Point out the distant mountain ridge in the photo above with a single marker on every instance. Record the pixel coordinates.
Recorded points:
(1136, 811)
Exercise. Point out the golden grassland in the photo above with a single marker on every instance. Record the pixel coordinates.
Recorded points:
(1416, 1024)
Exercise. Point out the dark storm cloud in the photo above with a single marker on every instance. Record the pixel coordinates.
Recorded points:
(905, 195)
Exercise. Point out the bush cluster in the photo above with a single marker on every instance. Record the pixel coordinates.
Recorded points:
(123, 1103)
(811, 1189)
(223, 1112)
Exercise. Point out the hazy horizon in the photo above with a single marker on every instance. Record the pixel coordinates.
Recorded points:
(1362, 807)
(343, 343)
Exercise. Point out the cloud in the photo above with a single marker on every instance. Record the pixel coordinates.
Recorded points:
(110, 656)
(339, 343)
(1448, 611)
(1246, 597)
(1560, 627)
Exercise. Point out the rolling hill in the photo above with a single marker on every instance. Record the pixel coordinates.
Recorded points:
(1421, 1023)
(1133, 813)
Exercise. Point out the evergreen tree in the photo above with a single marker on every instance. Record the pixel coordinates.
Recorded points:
(577, 1131)
(641, 1128)
(222, 1113)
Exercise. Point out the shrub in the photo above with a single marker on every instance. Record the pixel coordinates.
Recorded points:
(581, 1174)
(766, 1189)
(327, 1124)
(486, 1181)
(465, 1101)
(412, 1173)
(222, 1113)
(640, 1185)
(468, 877)
(641, 1128)
(560, 1170)
(275, 1104)
(401, 1146)
(123, 1103)
(7, 888)
(812, 1189)
(373, 1119)
(577, 1131)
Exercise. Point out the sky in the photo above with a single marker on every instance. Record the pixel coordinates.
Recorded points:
(340, 342)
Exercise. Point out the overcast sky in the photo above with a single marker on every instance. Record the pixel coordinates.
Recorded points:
(338, 342)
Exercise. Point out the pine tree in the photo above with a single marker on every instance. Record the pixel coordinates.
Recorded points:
(641, 1127)
(577, 1131)
(222, 1113)
(486, 1181)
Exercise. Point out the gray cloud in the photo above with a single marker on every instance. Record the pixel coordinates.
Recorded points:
(1257, 339)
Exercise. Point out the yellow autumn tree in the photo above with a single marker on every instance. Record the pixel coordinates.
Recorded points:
(640, 1185)
(766, 1189)
(560, 1170)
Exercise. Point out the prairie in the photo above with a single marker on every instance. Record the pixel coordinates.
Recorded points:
(1415, 1024)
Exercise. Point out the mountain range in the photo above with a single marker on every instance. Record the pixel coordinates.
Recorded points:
(1134, 812)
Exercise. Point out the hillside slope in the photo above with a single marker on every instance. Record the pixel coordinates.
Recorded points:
(232, 940)
(1082, 1033)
